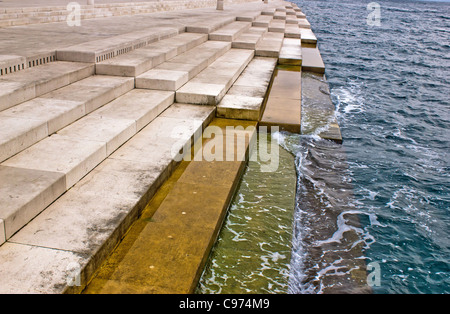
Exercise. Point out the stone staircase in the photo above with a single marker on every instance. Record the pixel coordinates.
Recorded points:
(85, 141)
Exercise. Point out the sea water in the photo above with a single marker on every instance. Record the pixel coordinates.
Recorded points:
(386, 197)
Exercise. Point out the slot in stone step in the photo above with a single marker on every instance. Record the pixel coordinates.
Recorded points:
(29, 122)
(61, 160)
(18, 87)
(230, 32)
(245, 98)
(210, 85)
(173, 74)
(141, 60)
(84, 225)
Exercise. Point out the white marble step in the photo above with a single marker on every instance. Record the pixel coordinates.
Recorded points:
(79, 229)
(210, 85)
(141, 60)
(29, 122)
(173, 74)
(21, 86)
(53, 165)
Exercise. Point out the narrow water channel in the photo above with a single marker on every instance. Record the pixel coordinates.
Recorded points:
(253, 250)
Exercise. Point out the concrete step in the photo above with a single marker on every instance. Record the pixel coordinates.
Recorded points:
(62, 159)
(268, 11)
(173, 74)
(270, 45)
(166, 249)
(82, 227)
(262, 21)
(292, 31)
(143, 59)
(283, 104)
(318, 109)
(312, 60)
(248, 16)
(291, 52)
(210, 85)
(209, 25)
(29, 122)
(18, 87)
(279, 15)
(230, 32)
(308, 36)
(277, 26)
(250, 38)
(303, 23)
(245, 98)
(107, 48)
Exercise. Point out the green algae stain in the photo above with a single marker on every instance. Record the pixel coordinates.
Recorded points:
(253, 249)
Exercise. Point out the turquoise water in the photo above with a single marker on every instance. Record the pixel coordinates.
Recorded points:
(391, 87)
(252, 252)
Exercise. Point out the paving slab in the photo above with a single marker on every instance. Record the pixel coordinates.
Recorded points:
(24, 193)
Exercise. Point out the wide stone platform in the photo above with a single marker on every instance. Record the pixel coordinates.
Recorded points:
(93, 124)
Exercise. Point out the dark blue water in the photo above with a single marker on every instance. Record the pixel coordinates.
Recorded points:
(391, 87)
